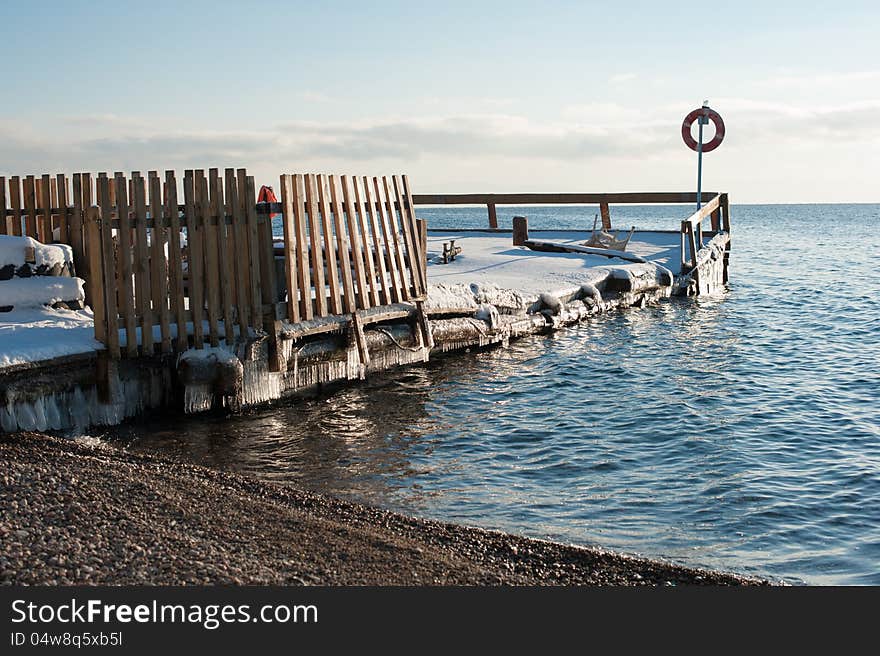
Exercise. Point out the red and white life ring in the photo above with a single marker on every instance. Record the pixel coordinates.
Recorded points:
(713, 116)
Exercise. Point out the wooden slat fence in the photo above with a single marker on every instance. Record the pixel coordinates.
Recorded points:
(350, 243)
(162, 274)
(47, 208)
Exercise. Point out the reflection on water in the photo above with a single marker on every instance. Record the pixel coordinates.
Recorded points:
(737, 432)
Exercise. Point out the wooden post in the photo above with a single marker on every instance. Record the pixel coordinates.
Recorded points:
(725, 225)
(96, 273)
(683, 245)
(606, 216)
(692, 241)
(268, 282)
(360, 339)
(142, 262)
(493, 217)
(3, 229)
(520, 230)
(108, 258)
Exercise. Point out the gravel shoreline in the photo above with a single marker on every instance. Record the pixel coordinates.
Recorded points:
(72, 513)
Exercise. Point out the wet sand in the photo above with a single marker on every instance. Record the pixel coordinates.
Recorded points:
(72, 513)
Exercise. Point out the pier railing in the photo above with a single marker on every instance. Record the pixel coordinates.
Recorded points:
(603, 200)
(715, 207)
(717, 211)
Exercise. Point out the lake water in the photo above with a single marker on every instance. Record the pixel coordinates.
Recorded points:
(740, 432)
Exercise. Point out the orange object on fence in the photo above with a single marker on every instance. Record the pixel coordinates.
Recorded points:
(267, 195)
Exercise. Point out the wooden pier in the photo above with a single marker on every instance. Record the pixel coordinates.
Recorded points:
(342, 292)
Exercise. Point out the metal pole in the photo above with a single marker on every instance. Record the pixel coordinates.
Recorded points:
(700, 165)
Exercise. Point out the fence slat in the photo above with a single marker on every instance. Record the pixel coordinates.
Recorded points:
(44, 223)
(377, 244)
(159, 261)
(59, 201)
(212, 275)
(319, 182)
(175, 261)
(231, 242)
(108, 275)
(268, 281)
(74, 226)
(195, 258)
(399, 262)
(355, 245)
(240, 253)
(342, 246)
(408, 239)
(124, 268)
(291, 250)
(15, 204)
(86, 200)
(388, 242)
(302, 197)
(142, 264)
(303, 276)
(247, 199)
(81, 270)
(419, 256)
(30, 220)
(225, 256)
(3, 222)
(93, 237)
(367, 248)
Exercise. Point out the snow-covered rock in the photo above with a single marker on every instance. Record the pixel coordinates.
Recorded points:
(40, 290)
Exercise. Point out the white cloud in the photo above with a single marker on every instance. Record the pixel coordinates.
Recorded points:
(622, 77)
(821, 81)
(315, 97)
(594, 146)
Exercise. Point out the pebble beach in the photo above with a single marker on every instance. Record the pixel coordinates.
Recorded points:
(74, 513)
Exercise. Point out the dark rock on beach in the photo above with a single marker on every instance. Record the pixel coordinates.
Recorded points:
(72, 513)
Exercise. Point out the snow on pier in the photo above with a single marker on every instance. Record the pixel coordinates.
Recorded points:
(490, 270)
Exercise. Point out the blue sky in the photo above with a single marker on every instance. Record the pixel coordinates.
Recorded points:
(478, 96)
